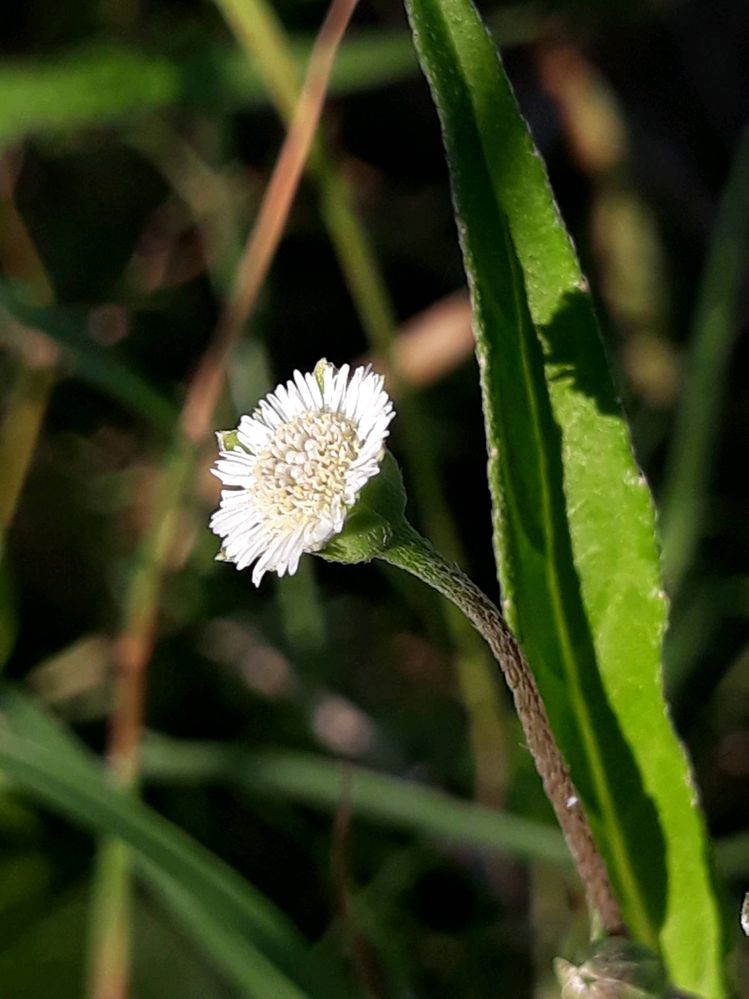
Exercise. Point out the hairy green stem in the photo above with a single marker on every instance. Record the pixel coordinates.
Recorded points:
(410, 551)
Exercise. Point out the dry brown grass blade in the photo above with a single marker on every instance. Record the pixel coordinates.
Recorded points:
(133, 648)
(266, 233)
(431, 345)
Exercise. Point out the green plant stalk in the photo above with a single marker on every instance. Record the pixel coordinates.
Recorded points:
(386, 800)
(262, 35)
(109, 941)
(716, 325)
(109, 921)
(409, 551)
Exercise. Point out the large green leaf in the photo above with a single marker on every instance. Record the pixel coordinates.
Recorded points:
(254, 943)
(573, 518)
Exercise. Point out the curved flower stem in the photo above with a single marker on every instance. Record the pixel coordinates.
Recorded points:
(259, 31)
(410, 551)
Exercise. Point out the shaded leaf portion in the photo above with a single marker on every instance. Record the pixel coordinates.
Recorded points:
(255, 945)
(574, 523)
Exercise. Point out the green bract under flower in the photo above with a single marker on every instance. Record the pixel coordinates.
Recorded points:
(294, 468)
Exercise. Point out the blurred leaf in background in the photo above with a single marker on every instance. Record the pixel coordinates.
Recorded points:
(136, 141)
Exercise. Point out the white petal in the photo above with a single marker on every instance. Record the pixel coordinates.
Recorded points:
(275, 508)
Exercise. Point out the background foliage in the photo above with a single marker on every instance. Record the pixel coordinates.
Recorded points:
(136, 142)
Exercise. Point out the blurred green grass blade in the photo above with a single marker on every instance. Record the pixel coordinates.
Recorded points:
(696, 623)
(44, 959)
(244, 963)
(321, 782)
(732, 856)
(104, 83)
(716, 325)
(28, 720)
(91, 85)
(574, 523)
(255, 943)
(97, 365)
(107, 83)
(110, 917)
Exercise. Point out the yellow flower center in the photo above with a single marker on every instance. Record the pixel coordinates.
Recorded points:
(303, 468)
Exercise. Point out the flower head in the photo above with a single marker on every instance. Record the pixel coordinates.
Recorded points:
(296, 466)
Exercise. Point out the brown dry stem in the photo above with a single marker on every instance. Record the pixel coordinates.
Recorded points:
(413, 553)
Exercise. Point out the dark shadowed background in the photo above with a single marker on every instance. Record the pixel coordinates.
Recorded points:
(135, 142)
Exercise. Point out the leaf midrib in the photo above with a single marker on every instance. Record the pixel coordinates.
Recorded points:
(614, 838)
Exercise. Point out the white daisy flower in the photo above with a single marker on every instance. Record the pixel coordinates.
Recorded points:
(296, 466)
